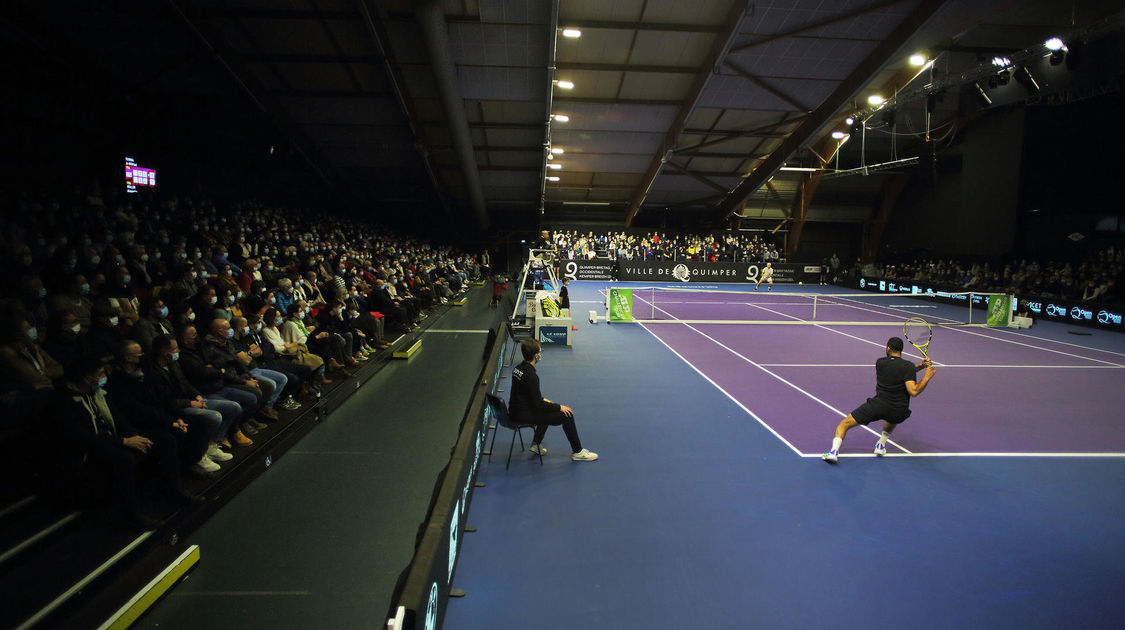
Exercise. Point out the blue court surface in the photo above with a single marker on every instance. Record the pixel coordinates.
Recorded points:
(698, 514)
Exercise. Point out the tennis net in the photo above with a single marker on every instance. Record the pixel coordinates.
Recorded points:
(716, 306)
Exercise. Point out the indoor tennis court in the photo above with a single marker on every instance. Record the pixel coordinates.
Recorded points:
(711, 508)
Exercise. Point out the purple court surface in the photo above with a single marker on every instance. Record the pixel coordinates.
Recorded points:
(997, 392)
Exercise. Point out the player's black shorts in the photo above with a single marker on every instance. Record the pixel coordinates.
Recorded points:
(878, 409)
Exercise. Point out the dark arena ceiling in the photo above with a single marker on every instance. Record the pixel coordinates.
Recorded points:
(707, 108)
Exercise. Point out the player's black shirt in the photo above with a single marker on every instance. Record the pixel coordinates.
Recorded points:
(526, 402)
(891, 374)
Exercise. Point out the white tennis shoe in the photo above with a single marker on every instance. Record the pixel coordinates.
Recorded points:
(584, 455)
(880, 449)
(829, 457)
(538, 449)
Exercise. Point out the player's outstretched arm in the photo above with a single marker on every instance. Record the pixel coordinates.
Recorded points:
(916, 388)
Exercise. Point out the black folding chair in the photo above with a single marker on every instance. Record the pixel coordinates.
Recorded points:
(500, 412)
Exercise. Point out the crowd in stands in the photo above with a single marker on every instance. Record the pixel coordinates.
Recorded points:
(161, 337)
(713, 247)
(1094, 279)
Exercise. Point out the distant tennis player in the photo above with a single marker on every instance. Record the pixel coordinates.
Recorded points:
(894, 385)
(767, 276)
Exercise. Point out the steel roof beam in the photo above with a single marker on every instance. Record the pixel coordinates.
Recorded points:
(765, 85)
(435, 34)
(696, 176)
(643, 26)
(841, 95)
(719, 47)
(843, 17)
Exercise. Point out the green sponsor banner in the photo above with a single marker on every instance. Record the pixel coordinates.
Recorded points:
(620, 305)
(999, 310)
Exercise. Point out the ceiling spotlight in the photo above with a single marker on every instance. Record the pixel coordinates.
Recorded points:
(557, 150)
(571, 32)
(566, 85)
(838, 135)
(554, 166)
(1001, 62)
(553, 178)
(1054, 44)
(917, 60)
(561, 117)
(982, 96)
(849, 121)
(875, 99)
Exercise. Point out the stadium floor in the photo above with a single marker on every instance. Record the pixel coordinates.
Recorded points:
(698, 516)
(319, 541)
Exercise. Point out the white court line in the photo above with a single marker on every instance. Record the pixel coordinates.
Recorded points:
(1065, 343)
(760, 367)
(450, 330)
(982, 454)
(824, 326)
(751, 362)
(725, 392)
(1012, 341)
(949, 365)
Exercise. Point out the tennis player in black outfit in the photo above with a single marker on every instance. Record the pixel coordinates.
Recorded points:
(895, 383)
(528, 406)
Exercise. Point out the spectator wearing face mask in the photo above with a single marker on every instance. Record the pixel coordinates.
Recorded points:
(206, 302)
(313, 294)
(321, 343)
(140, 269)
(259, 358)
(219, 352)
(331, 320)
(73, 296)
(285, 295)
(219, 260)
(210, 382)
(103, 336)
(291, 353)
(132, 399)
(167, 383)
(95, 442)
(122, 295)
(186, 286)
(248, 276)
(64, 338)
(154, 321)
(27, 372)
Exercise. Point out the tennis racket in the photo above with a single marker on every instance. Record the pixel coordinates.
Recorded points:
(918, 332)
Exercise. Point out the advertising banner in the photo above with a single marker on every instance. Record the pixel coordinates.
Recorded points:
(999, 310)
(599, 269)
(620, 305)
(699, 271)
(1047, 309)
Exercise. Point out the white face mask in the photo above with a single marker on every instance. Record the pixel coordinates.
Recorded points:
(113, 321)
(77, 328)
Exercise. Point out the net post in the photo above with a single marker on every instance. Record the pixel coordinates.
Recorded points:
(814, 306)
(970, 308)
(652, 303)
